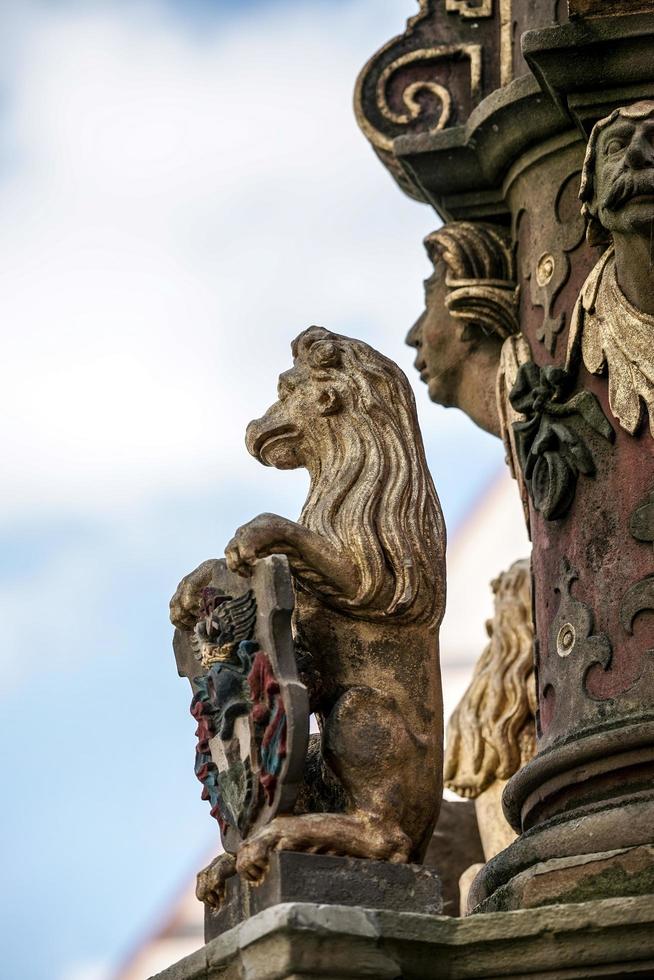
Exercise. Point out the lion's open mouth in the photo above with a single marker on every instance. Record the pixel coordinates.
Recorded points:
(268, 438)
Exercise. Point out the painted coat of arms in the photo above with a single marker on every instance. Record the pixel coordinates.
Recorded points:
(251, 710)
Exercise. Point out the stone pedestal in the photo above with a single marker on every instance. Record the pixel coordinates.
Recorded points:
(610, 939)
(324, 880)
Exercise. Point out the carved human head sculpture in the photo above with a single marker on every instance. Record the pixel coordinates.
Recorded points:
(617, 184)
(470, 309)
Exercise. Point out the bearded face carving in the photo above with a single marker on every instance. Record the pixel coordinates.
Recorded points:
(617, 188)
(614, 317)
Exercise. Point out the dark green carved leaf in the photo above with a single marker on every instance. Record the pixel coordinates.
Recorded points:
(551, 442)
(552, 485)
(586, 404)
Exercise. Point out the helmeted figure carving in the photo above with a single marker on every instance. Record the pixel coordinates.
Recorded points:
(367, 559)
(471, 307)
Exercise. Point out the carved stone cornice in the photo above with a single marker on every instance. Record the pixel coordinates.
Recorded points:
(461, 170)
(452, 55)
(564, 59)
(448, 112)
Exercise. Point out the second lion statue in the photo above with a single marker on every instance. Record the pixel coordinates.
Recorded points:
(367, 558)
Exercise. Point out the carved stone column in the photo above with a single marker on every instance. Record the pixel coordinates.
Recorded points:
(513, 154)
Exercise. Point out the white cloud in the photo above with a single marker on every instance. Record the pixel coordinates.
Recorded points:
(178, 209)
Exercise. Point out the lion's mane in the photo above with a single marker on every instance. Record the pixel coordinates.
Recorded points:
(372, 493)
(491, 734)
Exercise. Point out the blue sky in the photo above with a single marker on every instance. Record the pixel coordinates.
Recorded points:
(183, 189)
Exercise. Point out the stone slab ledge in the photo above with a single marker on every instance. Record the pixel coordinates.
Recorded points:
(610, 939)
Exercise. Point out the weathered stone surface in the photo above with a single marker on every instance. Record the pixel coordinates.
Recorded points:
(630, 822)
(608, 939)
(589, 789)
(471, 306)
(454, 847)
(565, 61)
(628, 871)
(607, 8)
(425, 84)
(325, 880)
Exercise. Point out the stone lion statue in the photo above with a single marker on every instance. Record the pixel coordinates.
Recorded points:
(491, 734)
(368, 563)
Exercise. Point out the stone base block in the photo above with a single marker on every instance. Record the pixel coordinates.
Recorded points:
(323, 880)
(611, 939)
(606, 852)
(612, 874)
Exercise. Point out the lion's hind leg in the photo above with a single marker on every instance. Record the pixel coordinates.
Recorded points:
(390, 787)
(351, 834)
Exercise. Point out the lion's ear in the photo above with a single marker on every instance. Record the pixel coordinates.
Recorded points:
(329, 401)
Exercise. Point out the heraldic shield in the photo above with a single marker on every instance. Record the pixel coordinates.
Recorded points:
(252, 712)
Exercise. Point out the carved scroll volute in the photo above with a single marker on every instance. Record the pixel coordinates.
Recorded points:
(452, 55)
(428, 79)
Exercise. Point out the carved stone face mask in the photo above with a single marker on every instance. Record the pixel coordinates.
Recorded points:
(623, 198)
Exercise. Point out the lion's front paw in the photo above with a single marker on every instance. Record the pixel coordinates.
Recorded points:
(186, 604)
(257, 539)
(210, 887)
(254, 856)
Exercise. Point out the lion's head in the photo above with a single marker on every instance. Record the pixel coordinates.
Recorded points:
(491, 734)
(347, 414)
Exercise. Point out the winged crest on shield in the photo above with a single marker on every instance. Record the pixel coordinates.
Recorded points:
(251, 710)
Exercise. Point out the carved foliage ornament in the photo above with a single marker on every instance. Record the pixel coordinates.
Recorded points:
(613, 336)
(609, 332)
(640, 597)
(548, 270)
(553, 439)
(574, 648)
